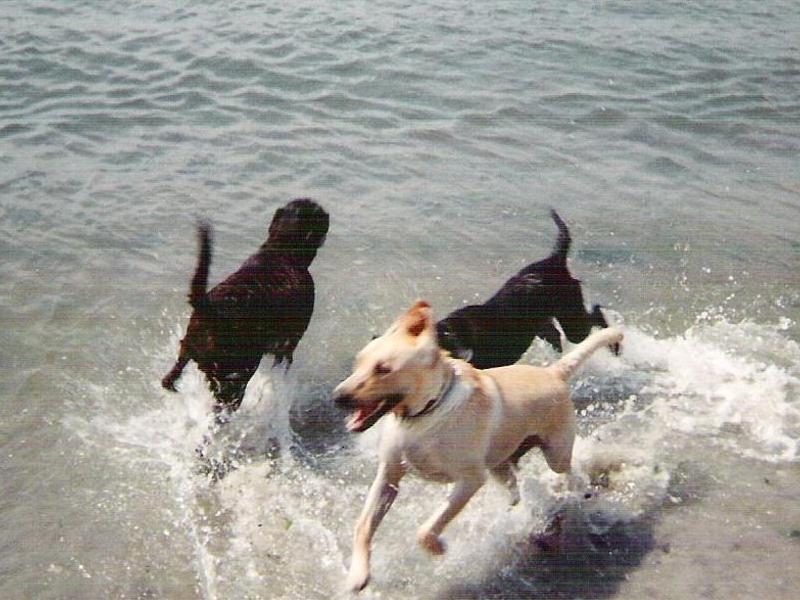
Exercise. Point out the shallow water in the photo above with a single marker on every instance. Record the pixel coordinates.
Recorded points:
(437, 135)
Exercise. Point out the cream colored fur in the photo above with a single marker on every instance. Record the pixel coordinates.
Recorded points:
(474, 427)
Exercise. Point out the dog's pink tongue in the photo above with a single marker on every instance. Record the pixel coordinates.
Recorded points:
(359, 417)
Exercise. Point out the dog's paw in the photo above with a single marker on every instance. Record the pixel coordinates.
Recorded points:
(431, 543)
(357, 578)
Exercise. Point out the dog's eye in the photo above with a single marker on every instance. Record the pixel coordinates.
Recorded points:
(382, 369)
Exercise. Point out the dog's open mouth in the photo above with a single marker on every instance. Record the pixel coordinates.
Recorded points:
(367, 415)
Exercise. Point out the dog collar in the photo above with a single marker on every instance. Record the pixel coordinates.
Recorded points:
(436, 400)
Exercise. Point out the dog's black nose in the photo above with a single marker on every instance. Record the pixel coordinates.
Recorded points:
(343, 400)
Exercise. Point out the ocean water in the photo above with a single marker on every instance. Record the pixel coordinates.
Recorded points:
(437, 134)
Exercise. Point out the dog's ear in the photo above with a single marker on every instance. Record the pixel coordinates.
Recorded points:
(418, 318)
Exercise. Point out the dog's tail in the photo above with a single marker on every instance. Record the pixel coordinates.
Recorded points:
(197, 293)
(563, 242)
(569, 363)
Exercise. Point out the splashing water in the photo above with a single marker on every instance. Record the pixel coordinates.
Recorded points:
(281, 519)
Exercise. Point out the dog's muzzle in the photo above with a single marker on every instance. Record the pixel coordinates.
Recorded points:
(364, 414)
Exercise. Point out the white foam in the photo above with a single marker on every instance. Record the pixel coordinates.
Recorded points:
(713, 381)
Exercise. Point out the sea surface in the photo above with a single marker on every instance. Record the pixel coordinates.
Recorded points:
(437, 134)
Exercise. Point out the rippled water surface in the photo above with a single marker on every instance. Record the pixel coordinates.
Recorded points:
(437, 134)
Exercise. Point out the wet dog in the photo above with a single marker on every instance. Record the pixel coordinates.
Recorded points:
(451, 422)
(263, 308)
(499, 331)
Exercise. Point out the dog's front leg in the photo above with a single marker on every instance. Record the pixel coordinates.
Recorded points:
(463, 490)
(381, 495)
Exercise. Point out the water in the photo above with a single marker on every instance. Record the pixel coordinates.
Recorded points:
(437, 134)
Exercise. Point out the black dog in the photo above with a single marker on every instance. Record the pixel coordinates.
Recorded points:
(499, 331)
(263, 308)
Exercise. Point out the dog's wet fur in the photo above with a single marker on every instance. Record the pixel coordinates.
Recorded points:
(499, 331)
(451, 422)
(263, 308)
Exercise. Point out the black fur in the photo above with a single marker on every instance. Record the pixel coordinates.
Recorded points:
(263, 308)
(499, 331)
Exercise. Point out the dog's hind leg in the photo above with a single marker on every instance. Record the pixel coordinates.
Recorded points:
(598, 319)
(463, 490)
(380, 498)
(557, 448)
(550, 334)
(229, 385)
(168, 383)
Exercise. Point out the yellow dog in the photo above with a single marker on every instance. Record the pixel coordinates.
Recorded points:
(451, 422)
